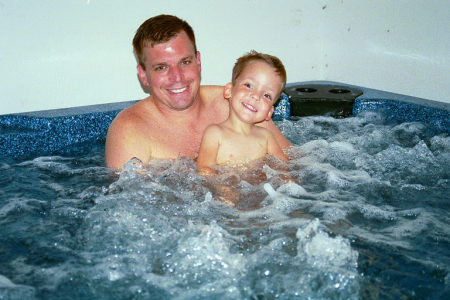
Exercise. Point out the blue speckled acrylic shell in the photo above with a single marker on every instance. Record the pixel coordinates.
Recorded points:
(63, 131)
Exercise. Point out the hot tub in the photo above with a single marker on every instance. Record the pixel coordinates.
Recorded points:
(364, 215)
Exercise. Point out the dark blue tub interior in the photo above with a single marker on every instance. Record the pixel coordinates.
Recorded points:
(68, 131)
(369, 221)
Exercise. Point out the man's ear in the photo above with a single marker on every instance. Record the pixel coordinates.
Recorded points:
(142, 76)
(269, 114)
(199, 62)
(227, 90)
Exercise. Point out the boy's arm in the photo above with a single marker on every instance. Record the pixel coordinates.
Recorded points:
(207, 155)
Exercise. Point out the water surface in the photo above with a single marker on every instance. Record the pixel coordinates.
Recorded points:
(364, 215)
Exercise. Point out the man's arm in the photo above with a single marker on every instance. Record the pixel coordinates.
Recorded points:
(282, 141)
(273, 147)
(123, 142)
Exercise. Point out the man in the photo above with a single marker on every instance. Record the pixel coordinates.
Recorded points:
(170, 122)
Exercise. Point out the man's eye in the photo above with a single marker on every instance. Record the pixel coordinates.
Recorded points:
(186, 62)
(160, 68)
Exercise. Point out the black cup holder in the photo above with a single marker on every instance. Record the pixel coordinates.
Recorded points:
(339, 91)
(306, 90)
(321, 99)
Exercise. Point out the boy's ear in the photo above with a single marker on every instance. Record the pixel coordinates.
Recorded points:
(227, 90)
(269, 115)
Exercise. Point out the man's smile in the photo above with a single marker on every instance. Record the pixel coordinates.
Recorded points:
(177, 91)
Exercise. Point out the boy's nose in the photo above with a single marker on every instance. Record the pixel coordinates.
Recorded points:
(255, 96)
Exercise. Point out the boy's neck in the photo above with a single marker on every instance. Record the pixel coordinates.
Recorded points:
(236, 124)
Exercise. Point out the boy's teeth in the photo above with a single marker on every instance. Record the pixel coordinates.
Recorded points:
(249, 107)
(178, 90)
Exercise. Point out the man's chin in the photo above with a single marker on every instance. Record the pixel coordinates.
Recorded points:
(182, 107)
(180, 104)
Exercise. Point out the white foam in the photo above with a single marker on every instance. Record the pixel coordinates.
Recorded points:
(206, 257)
(378, 237)
(440, 144)
(376, 212)
(344, 147)
(412, 223)
(287, 198)
(316, 148)
(5, 282)
(332, 212)
(272, 193)
(292, 189)
(10, 290)
(323, 251)
(56, 164)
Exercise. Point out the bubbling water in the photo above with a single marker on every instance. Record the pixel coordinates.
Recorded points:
(360, 212)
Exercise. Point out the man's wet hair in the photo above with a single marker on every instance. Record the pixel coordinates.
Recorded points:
(157, 30)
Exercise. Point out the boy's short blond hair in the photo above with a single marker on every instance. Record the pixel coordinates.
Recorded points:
(253, 55)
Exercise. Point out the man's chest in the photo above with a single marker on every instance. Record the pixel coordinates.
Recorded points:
(172, 141)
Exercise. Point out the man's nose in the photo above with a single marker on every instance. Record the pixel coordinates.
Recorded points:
(175, 74)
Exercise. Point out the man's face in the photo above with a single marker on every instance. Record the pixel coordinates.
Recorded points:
(172, 72)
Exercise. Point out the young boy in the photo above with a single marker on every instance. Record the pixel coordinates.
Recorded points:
(257, 82)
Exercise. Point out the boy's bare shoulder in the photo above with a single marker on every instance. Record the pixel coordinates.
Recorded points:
(213, 129)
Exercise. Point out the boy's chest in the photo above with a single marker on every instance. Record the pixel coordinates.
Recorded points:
(241, 148)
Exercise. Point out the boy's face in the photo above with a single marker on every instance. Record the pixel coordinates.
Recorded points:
(254, 92)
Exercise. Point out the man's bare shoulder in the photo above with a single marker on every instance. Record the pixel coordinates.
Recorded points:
(129, 125)
(211, 93)
(130, 118)
(212, 88)
(126, 138)
(214, 102)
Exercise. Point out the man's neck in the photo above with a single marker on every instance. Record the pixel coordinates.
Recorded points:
(187, 114)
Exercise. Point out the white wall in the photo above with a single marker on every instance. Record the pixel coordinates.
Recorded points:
(56, 54)
(401, 46)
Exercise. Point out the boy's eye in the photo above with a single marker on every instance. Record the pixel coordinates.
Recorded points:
(248, 85)
(268, 97)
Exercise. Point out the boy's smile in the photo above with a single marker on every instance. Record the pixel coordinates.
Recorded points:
(254, 92)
